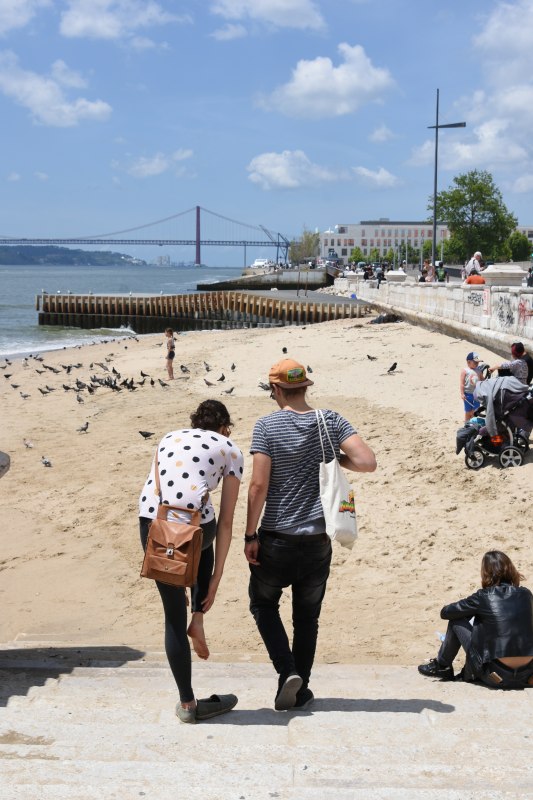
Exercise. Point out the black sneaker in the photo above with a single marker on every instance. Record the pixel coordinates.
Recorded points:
(436, 670)
(288, 689)
(304, 699)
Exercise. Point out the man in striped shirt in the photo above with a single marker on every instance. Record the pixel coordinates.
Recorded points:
(291, 547)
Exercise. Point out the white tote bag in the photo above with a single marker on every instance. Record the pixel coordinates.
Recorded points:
(336, 494)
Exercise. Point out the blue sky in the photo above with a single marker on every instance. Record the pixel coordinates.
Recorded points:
(280, 112)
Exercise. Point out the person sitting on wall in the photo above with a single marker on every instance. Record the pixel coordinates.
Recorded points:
(474, 278)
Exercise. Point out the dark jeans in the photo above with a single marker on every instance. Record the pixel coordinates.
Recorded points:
(303, 564)
(177, 645)
(493, 673)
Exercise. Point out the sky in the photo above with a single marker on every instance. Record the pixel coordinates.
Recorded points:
(284, 113)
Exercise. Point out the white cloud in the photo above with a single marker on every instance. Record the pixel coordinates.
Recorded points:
(499, 115)
(44, 97)
(302, 14)
(319, 89)
(114, 19)
(379, 179)
(17, 13)
(381, 134)
(148, 167)
(290, 169)
(523, 184)
(41, 176)
(67, 77)
(13, 177)
(229, 31)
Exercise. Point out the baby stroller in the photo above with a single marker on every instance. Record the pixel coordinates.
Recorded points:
(502, 425)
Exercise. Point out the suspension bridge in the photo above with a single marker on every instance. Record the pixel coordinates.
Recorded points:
(188, 229)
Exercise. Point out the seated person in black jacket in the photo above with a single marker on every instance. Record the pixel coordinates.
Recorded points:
(499, 644)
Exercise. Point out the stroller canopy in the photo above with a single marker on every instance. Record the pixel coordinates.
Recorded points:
(500, 397)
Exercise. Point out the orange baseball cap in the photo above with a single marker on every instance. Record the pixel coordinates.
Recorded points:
(289, 374)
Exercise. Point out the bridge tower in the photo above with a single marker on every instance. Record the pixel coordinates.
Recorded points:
(198, 262)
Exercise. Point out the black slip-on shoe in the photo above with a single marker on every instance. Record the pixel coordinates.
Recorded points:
(435, 670)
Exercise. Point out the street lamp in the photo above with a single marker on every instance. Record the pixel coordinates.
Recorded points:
(437, 126)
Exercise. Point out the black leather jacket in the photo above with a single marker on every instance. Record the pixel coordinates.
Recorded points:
(503, 622)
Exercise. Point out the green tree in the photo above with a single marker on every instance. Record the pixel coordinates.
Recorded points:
(520, 246)
(503, 252)
(389, 255)
(475, 213)
(374, 255)
(356, 255)
(305, 248)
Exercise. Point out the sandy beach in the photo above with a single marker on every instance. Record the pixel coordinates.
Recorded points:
(70, 554)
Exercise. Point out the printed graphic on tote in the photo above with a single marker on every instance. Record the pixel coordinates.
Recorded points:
(348, 505)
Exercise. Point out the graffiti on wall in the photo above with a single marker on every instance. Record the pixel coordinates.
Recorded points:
(504, 311)
(474, 298)
(524, 311)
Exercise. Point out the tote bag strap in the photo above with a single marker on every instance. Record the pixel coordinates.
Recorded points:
(320, 416)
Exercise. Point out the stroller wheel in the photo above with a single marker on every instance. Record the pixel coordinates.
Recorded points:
(511, 456)
(521, 442)
(475, 458)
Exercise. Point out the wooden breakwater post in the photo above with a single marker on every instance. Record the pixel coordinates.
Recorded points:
(189, 312)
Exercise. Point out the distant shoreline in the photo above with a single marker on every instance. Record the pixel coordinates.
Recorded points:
(48, 255)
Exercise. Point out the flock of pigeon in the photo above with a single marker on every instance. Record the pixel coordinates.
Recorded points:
(112, 379)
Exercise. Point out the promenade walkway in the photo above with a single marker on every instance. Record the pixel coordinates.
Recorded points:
(81, 723)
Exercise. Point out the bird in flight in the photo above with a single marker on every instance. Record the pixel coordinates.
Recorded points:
(146, 434)
(392, 368)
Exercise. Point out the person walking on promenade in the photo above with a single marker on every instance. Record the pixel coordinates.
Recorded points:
(291, 547)
(191, 463)
(171, 352)
(499, 645)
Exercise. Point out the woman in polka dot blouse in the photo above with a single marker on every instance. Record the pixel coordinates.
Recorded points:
(191, 463)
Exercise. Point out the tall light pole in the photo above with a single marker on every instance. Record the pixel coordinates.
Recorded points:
(437, 126)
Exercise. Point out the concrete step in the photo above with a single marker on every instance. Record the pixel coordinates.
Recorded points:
(79, 723)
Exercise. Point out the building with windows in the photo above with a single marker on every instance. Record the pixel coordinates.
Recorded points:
(383, 234)
(379, 234)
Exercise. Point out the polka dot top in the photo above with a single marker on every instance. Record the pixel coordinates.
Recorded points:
(192, 463)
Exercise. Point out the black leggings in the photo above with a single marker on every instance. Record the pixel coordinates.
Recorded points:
(177, 645)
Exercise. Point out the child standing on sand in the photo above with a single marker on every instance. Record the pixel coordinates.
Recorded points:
(171, 352)
(470, 375)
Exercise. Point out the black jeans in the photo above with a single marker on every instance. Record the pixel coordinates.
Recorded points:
(459, 634)
(303, 564)
(177, 645)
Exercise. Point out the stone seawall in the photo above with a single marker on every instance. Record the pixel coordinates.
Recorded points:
(492, 316)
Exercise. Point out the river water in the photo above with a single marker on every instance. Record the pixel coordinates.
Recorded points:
(20, 332)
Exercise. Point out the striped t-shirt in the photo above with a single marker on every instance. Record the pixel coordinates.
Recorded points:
(292, 441)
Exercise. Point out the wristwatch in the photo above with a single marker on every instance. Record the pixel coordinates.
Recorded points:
(250, 537)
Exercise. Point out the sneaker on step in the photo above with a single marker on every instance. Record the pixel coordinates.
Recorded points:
(435, 670)
(304, 699)
(288, 689)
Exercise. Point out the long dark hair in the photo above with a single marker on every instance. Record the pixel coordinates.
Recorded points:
(498, 568)
(211, 415)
